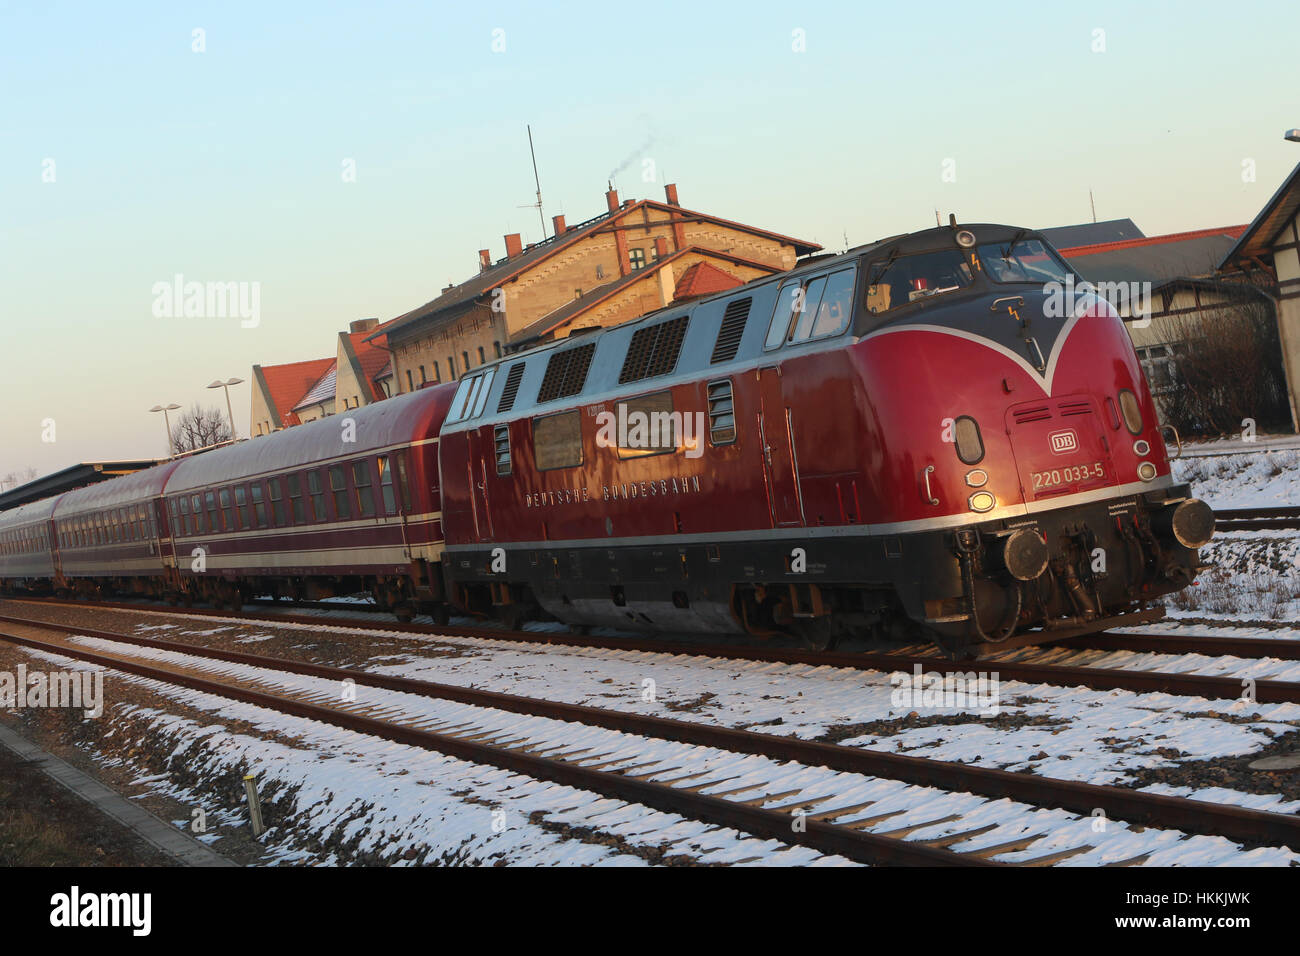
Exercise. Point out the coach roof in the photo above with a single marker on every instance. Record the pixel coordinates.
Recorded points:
(129, 489)
(399, 420)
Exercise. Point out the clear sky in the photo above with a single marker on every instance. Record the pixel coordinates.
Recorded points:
(839, 120)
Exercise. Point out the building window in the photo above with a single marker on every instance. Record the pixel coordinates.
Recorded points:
(423, 377)
(482, 356)
(497, 348)
(451, 368)
(410, 382)
(437, 376)
(636, 258)
(465, 357)
(577, 293)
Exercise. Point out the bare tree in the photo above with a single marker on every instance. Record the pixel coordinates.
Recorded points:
(19, 476)
(200, 427)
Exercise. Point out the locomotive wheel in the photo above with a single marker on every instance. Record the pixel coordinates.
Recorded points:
(511, 615)
(404, 612)
(440, 613)
(818, 634)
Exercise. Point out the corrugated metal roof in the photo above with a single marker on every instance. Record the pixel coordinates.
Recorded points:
(322, 391)
(1157, 259)
(1090, 233)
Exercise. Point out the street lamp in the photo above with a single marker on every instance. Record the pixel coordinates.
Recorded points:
(1292, 136)
(168, 422)
(226, 385)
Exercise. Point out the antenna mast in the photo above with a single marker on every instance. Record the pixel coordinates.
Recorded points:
(537, 180)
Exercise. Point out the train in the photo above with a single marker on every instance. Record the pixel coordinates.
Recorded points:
(942, 435)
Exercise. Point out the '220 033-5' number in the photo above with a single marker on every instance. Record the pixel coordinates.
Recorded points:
(1065, 476)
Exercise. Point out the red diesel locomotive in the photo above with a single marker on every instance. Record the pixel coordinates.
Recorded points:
(931, 435)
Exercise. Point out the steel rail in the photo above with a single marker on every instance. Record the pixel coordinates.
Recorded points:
(774, 824)
(1120, 803)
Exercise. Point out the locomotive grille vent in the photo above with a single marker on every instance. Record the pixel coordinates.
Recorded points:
(653, 350)
(1074, 408)
(511, 388)
(733, 327)
(1032, 414)
(566, 373)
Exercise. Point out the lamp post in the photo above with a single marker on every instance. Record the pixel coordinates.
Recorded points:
(168, 423)
(226, 385)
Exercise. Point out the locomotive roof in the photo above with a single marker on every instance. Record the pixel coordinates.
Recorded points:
(394, 421)
(706, 315)
(128, 489)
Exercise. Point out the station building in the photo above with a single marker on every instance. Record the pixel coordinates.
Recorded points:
(633, 258)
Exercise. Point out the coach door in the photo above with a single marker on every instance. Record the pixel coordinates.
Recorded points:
(778, 454)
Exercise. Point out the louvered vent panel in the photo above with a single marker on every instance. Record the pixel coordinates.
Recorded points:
(654, 350)
(733, 327)
(513, 378)
(566, 373)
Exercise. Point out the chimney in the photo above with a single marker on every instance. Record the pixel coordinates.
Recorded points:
(362, 325)
(514, 245)
(661, 247)
(557, 223)
(484, 260)
(611, 200)
(670, 191)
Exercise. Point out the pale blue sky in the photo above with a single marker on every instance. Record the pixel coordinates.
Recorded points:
(226, 165)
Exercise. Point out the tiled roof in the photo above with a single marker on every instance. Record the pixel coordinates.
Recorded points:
(503, 270)
(371, 357)
(592, 298)
(322, 391)
(288, 383)
(703, 278)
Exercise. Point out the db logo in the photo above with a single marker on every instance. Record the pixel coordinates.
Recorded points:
(1063, 442)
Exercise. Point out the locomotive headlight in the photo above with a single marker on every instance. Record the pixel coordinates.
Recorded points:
(1128, 405)
(982, 501)
(1146, 471)
(966, 239)
(1025, 554)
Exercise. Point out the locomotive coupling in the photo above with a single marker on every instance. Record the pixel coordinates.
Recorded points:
(1190, 523)
(1025, 554)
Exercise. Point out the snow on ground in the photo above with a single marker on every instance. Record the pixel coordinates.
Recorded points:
(369, 780)
(1252, 480)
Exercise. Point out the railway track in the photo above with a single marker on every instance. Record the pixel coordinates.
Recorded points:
(1251, 827)
(1257, 519)
(1215, 687)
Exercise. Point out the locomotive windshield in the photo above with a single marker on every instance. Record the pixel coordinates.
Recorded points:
(904, 279)
(1021, 260)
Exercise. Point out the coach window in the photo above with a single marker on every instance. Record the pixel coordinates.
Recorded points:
(214, 522)
(316, 490)
(277, 502)
(403, 483)
(296, 507)
(228, 509)
(386, 485)
(171, 514)
(241, 506)
(650, 428)
(183, 511)
(365, 494)
(259, 506)
(557, 441)
(196, 509)
(339, 491)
